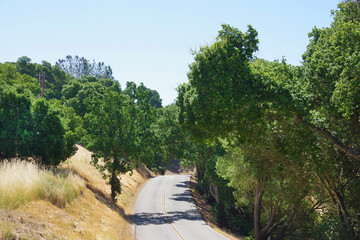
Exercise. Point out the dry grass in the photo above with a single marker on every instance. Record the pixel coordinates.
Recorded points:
(21, 182)
(90, 215)
(80, 163)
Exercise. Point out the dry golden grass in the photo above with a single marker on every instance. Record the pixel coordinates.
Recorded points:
(80, 163)
(89, 216)
(21, 182)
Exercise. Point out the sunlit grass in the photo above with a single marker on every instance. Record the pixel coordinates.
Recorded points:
(22, 181)
(91, 216)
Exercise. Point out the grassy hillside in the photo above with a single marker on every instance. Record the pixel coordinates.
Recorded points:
(70, 202)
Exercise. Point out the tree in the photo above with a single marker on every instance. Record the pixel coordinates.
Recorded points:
(34, 127)
(49, 144)
(81, 94)
(266, 166)
(24, 66)
(15, 123)
(144, 116)
(119, 132)
(73, 126)
(55, 79)
(154, 98)
(259, 105)
(112, 135)
(168, 130)
(80, 66)
(331, 80)
(10, 77)
(219, 83)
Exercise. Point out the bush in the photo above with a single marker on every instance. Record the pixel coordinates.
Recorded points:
(330, 228)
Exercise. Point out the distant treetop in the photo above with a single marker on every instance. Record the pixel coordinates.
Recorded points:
(80, 66)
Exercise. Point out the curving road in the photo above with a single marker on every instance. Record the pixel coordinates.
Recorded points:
(165, 210)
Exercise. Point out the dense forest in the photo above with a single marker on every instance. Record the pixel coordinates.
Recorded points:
(276, 147)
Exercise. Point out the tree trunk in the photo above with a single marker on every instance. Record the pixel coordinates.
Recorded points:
(214, 190)
(337, 198)
(113, 181)
(345, 217)
(259, 191)
(200, 174)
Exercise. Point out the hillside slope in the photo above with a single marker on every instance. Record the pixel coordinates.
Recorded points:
(89, 216)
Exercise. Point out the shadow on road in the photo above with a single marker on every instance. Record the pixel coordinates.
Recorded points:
(157, 218)
(184, 184)
(146, 218)
(184, 197)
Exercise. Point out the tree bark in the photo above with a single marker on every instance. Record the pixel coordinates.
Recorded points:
(113, 180)
(259, 191)
(345, 218)
(337, 199)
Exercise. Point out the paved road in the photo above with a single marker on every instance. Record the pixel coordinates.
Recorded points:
(165, 210)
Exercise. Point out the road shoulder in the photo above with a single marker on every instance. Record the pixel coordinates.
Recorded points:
(205, 210)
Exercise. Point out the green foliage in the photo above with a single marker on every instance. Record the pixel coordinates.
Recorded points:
(111, 130)
(332, 62)
(219, 82)
(331, 77)
(10, 77)
(144, 116)
(286, 183)
(112, 136)
(49, 137)
(15, 123)
(175, 143)
(33, 127)
(119, 132)
(73, 126)
(330, 228)
(24, 66)
(55, 78)
(279, 121)
(154, 98)
(82, 94)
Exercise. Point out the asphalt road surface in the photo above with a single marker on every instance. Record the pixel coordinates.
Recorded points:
(165, 210)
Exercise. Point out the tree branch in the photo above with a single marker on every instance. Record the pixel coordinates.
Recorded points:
(335, 141)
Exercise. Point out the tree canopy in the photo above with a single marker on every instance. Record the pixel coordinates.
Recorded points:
(281, 120)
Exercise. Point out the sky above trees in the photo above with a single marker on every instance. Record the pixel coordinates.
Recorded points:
(151, 41)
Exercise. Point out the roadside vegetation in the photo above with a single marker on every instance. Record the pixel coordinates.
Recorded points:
(276, 147)
(90, 215)
(289, 135)
(21, 182)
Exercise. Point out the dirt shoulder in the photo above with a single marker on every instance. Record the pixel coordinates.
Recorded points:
(205, 211)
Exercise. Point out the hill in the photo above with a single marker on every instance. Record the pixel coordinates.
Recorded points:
(90, 215)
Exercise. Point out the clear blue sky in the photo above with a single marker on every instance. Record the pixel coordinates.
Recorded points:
(150, 41)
